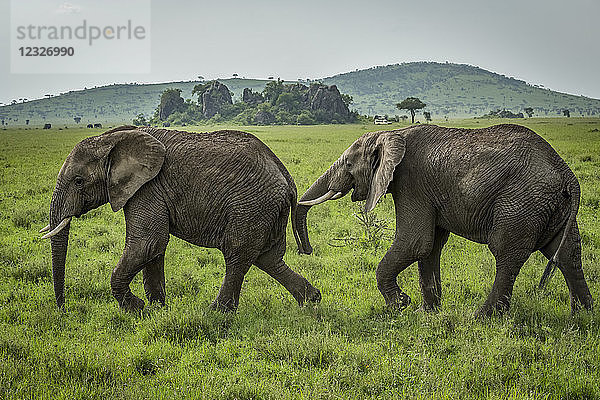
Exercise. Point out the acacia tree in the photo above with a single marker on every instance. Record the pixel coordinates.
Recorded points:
(411, 104)
(529, 111)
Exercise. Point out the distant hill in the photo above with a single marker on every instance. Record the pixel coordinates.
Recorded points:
(455, 90)
(117, 103)
(452, 90)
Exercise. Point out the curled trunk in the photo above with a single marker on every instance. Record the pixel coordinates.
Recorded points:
(316, 190)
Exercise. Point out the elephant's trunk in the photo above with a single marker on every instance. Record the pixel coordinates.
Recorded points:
(59, 255)
(304, 246)
(317, 190)
(59, 243)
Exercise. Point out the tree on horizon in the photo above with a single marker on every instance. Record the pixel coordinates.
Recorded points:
(411, 104)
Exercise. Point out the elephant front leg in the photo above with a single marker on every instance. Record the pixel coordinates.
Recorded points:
(154, 280)
(120, 279)
(388, 269)
(140, 254)
(147, 236)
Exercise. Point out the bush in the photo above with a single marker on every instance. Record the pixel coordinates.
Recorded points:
(306, 118)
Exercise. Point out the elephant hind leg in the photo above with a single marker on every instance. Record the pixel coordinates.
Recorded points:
(510, 251)
(429, 273)
(569, 263)
(508, 265)
(237, 264)
(272, 263)
(240, 252)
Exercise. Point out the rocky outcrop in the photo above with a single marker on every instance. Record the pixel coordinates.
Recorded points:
(503, 114)
(252, 98)
(213, 98)
(264, 118)
(327, 99)
(320, 98)
(170, 101)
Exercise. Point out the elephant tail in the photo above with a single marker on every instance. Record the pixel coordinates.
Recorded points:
(573, 191)
(293, 193)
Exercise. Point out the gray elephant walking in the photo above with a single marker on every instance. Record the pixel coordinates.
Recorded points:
(504, 186)
(223, 190)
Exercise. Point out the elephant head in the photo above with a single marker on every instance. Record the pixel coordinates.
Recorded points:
(367, 167)
(100, 169)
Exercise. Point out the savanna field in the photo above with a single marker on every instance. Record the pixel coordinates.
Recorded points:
(348, 346)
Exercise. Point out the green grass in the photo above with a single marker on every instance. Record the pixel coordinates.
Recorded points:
(348, 346)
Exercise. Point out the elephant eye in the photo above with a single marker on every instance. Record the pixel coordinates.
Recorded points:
(78, 181)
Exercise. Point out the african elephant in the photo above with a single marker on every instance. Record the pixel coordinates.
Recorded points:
(223, 190)
(503, 186)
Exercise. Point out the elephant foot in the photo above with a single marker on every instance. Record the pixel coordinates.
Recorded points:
(487, 311)
(224, 307)
(131, 303)
(579, 302)
(156, 299)
(399, 302)
(310, 294)
(429, 308)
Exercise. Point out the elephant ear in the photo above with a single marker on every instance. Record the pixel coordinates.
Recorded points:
(135, 158)
(390, 148)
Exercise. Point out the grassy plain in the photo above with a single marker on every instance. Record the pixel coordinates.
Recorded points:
(348, 346)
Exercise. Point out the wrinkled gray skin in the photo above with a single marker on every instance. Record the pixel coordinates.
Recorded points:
(223, 190)
(503, 186)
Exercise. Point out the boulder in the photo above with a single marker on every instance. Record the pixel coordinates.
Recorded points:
(170, 101)
(327, 99)
(213, 98)
(252, 98)
(264, 118)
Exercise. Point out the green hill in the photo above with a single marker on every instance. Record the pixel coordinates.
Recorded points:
(117, 103)
(455, 90)
(452, 90)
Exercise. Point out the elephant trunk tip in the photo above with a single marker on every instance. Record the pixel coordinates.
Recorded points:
(305, 249)
(60, 303)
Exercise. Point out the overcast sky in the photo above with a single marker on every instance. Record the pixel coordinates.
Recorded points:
(548, 42)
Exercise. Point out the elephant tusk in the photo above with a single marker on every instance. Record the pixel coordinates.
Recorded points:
(58, 228)
(318, 200)
(45, 229)
(337, 196)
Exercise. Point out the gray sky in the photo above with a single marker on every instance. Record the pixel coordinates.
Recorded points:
(539, 41)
